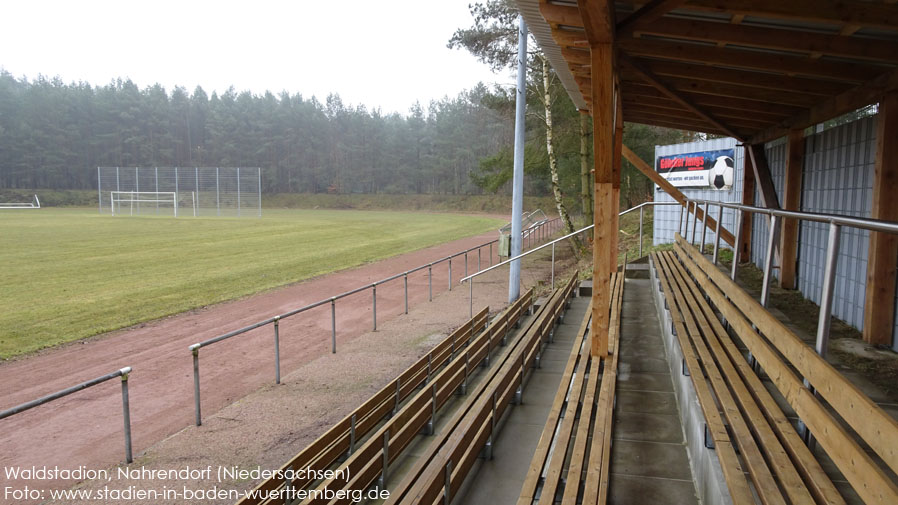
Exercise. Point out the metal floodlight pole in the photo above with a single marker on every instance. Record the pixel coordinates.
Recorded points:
(517, 200)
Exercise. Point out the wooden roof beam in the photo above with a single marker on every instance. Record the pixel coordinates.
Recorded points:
(772, 38)
(850, 12)
(598, 20)
(709, 101)
(651, 79)
(853, 99)
(647, 14)
(750, 60)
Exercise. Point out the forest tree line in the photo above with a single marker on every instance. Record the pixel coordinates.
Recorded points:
(54, 134)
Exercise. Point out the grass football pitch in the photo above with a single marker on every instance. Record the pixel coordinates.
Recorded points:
(68, 274)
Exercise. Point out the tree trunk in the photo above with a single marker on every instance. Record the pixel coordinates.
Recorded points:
(585, 179)
(553, 161)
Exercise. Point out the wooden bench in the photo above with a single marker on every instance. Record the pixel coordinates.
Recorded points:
(438, 474)
(762, 457)
(571, 461)
(342, 439)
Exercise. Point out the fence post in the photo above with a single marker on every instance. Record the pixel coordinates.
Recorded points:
(374, 304)
(695, 222)
(680, 222)
(826, 295)
(450, 273)
(126, 414)
(686, 223)
(740, 218)
(466, 263)
(333, 325)
(641, 215)
(491, 254)
(478, 258)
(277, 352)
(430, 282)
(704, 227)
(405, 281)
(471, 296)
(768, 261)
(553, 266)
(717, 233)
(195, 350)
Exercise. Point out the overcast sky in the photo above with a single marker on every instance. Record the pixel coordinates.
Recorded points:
(381, 54)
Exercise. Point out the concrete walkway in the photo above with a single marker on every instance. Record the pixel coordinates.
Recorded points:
(649, 463)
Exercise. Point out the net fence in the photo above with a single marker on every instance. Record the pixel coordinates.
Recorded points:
(224, 191)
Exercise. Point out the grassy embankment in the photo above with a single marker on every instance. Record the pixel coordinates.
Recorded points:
(72, 273)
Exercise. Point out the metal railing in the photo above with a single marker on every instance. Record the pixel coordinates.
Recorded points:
(835, 221)
(126, 409)
(641, 207)
(536, 232)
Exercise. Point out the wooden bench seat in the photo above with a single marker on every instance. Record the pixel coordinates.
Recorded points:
(571, 460)
(439, 472)
(762, 456)
(445, 360)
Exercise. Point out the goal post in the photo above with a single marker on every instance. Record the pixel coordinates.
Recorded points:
(130, 202)
(35, 203)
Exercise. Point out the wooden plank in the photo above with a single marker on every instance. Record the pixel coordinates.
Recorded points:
(726, 453)
(791, 201)
(671, 190)
(603, 149)
(611, 372)
(879, 306)
(735, 90)
(853, 12)
(728, 387)
(634, 117)
(870, 422)
(633, 90)
(649, 77)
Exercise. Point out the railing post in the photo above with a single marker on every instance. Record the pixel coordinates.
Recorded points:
(382, 482)
(680, 222)
(491, 254)
(717, 233)
(374, 305)
(686, 223)
(553, 266)
(450, 273)
(740, 218)
(195, 350)
(704, 227)
(405, 280)
(277, 352)
(478, 259)
(768, 261)
(829, 283)
(471, 296)
(430, 282)
(466, 263)
(641, 216)
(126, 414)
(333, 325)
(695, 222)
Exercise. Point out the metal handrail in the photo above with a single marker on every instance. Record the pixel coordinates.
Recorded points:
(835, 221)
(126, 409)
(641, 207)
(538, 228)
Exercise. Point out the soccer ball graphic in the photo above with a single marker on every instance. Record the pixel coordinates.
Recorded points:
(722, 172)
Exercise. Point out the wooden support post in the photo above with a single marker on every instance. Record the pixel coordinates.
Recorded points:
(879, 306)
(748, 198)
(791, 201)
(603, 149)
(615, 175)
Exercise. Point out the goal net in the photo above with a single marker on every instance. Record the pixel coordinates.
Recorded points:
(162, 202)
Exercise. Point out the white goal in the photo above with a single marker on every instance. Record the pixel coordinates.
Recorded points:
(143, 202)
(33, 204)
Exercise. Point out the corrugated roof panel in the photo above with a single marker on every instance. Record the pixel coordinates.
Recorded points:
(542, 32)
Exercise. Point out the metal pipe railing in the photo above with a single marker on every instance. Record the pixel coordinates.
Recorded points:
(641, 207)
(126, 406)
(774, 225)
(534, 230)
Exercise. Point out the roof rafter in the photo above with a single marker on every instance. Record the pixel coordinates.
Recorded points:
(651, 79)
(843, 12)
(647, 14)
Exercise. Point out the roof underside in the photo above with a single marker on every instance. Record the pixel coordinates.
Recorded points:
(753, 69)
